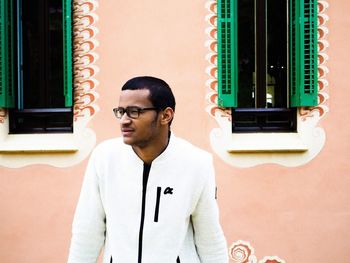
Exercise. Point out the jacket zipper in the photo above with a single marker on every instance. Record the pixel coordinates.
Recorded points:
(146, 170)
(178, 260)
(156, 212)
(111, 261)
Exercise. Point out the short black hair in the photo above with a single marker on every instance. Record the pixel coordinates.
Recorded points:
(160, 96)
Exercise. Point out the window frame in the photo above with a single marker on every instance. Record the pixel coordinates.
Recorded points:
(14, 103)
(228, 66)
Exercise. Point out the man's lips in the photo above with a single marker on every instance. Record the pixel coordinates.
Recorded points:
(127, 131)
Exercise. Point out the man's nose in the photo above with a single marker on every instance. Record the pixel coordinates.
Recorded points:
(125, 119)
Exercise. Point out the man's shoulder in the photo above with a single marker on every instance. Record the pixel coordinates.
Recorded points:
(190, 150)
(109, 145)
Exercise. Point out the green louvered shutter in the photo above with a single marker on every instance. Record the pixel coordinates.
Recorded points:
(227, 53)
(67, 53)
(303, 53)
(7, 81)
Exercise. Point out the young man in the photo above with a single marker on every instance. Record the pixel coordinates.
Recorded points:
(148, 197)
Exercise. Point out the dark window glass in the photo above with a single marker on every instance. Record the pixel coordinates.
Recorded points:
(276, 77)
(262, 68)
(246, 54)
(42, 46)
(40, 97)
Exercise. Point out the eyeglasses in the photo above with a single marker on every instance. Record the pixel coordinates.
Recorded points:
(132, 112)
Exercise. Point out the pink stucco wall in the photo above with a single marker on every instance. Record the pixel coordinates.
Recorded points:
(299, 214)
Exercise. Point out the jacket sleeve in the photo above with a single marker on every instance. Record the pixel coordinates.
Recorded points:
(209, 238)
(88, 230)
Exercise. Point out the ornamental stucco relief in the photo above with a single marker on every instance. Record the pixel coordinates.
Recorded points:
(85, 69)
(242, 252)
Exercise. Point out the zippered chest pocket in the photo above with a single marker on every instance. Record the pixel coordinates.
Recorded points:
(161, 194)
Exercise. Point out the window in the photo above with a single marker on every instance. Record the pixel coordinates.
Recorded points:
(36, 65)
(267, 62)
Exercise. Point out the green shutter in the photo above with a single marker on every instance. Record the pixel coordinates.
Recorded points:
(303, 53)
(227, 53)
(67, 52)
(7, 81)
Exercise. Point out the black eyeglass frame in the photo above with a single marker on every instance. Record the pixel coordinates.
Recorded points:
(120, 111)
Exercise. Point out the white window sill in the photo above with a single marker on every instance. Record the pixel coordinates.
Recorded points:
(266, 142)
(58, 150)
(34, 143)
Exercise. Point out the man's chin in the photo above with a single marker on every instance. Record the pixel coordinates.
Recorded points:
(127, 140)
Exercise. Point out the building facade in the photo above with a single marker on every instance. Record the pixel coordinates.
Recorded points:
(282, 192)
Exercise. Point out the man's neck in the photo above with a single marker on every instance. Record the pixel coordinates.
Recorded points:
(150, 152)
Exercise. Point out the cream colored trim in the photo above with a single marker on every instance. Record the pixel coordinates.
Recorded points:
(29, 143)
(266, 142)
(59, 150)
(248, 150)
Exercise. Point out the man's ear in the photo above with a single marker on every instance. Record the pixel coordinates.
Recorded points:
(167, 115)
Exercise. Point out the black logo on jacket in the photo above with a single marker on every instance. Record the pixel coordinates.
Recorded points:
(168, 190)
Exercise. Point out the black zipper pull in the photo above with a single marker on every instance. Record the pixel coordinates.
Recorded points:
(156, 212)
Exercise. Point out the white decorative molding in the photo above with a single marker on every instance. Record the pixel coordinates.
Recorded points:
(231, 148)
(85, 56)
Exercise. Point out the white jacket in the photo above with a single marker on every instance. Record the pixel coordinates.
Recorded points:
(175, 220)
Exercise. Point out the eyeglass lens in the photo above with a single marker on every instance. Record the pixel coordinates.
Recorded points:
(131, 112)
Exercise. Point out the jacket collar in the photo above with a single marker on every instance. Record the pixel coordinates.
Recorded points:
(167, 152)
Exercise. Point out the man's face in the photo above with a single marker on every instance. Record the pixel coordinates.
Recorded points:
(144, 130)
